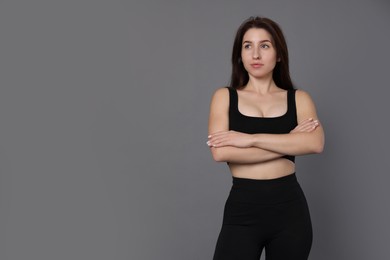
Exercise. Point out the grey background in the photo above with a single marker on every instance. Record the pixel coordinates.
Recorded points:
(104, 110)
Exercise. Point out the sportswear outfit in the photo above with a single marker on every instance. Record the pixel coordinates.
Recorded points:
(271, 214)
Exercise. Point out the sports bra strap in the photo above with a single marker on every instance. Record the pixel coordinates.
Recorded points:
(233, 98)
(291, 101)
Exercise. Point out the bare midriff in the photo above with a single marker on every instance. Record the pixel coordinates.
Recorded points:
(263, 171)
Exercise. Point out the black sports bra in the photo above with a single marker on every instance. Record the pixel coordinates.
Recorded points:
(271, 125)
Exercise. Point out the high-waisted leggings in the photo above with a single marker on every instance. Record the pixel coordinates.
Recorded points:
(271, 214)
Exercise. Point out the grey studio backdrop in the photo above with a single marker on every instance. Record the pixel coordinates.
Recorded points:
(104, 111)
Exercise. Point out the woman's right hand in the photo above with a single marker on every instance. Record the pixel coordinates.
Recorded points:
(307, 126)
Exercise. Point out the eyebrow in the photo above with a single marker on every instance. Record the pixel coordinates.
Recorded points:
(260, 41)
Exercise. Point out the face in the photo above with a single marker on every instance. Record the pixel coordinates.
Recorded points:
(258, 53)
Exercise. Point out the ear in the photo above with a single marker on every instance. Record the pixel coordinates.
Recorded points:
(278, 60)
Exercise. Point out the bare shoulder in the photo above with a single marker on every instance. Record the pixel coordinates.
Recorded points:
(219, 107)
(302, 95)
(305, 105)
(303, 98)
(221, 93)
(220, 96)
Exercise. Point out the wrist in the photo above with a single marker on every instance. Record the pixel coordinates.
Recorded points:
(255, 139)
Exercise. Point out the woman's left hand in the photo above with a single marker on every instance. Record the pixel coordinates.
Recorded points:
(232, 138)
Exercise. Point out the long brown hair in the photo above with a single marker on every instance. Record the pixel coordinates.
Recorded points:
(281, 73)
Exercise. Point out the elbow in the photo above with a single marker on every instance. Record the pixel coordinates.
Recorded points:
(319, 146)
(217, 156)
(318, 149)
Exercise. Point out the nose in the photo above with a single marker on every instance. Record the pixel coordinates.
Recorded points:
(256, 53)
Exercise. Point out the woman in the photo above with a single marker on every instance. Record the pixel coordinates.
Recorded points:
(257, 126)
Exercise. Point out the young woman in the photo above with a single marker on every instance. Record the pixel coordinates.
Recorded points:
(257, 126)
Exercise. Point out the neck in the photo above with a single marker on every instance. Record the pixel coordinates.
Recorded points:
(261, 85)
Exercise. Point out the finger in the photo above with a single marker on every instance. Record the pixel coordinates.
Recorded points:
(311, 122)
(219, 143)
(315, 124)
(300, 128)
(305, 120)
(217, 138)
(218, 134)
(312, 127)
(309, 128)
(303, 124)
(215, 134)
(216, 141)
(306, 127)
(213, 138)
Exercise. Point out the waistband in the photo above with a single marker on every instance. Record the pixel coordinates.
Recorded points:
(268, 191)
(245, 182)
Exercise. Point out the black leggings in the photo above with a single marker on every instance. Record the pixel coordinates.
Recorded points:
(265, 213)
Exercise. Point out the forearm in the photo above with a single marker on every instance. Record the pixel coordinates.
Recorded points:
(291, 143)
(243, 155)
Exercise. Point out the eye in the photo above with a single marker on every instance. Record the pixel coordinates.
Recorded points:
(247, 46)
(265, 46)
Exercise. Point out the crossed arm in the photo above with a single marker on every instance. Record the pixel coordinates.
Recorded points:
(237, 147)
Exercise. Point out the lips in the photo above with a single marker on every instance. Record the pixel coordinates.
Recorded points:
(257, 65)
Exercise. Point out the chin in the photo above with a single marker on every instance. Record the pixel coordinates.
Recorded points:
(260, 75)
